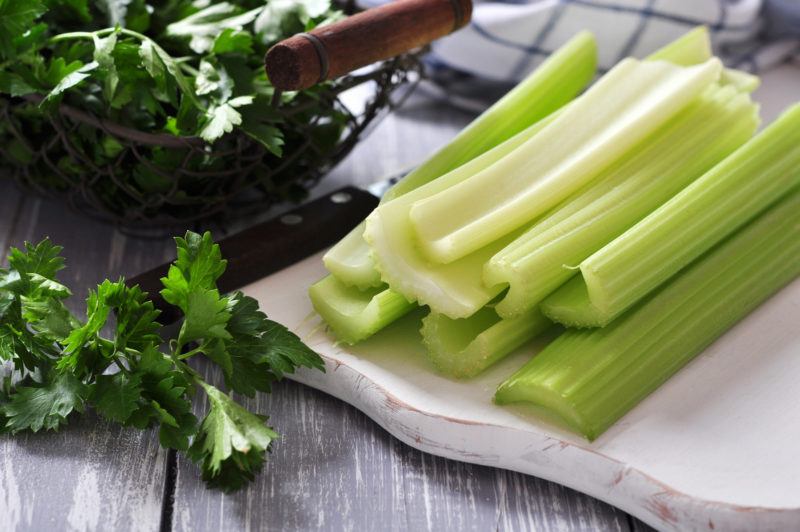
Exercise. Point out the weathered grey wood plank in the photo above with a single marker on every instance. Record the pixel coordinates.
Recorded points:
(335, 469)
(92, 475)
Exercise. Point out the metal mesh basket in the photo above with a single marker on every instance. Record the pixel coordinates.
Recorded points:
(155, 181)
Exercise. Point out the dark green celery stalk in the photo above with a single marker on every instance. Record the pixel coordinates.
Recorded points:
(591, 378)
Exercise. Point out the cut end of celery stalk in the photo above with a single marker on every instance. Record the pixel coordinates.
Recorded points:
(743, 81)
(591, 378)
(571, 306)
(692, 48)
(352, 314)
(464, 348)
(350, 261)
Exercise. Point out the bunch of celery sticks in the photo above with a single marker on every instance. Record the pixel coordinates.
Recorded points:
(645, 215)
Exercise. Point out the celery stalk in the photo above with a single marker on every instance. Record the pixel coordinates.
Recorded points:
(692, 48)
(698, 138)
(616, 114)
(713, 206)
(560, 78)
(464, 348)
(454, 289)
(591, 378)
(354, 314)
(557, 81)
(350, 261)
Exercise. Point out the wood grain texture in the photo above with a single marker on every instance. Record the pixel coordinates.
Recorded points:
(335, 469)
(379, 33)
(91, 475)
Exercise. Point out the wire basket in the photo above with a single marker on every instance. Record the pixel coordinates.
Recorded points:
(153, 182)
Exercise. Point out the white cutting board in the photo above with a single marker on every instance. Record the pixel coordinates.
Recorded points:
(716, 447)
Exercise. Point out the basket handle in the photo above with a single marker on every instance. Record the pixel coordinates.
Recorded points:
(373, 35)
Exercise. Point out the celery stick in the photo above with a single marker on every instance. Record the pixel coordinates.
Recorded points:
(454, 289)
(703, 213)
(621, 110)
(591, 378)
(560, 78)
(557, 81)
(692, 48)
(464, 348)
(697, 139)
(743, 81)
(350, 261)
(354, 314)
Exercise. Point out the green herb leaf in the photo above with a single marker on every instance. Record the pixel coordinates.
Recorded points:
(205, 25)
(223, 117)
(16, 17)
(70, 80)
(103, 50)
(45, 407)
(233, 41)
(116, 396)
(232, 443)
(14, 85)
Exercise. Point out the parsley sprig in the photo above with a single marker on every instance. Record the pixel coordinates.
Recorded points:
(58, 365)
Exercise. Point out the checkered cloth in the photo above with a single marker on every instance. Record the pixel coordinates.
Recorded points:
(507, 39)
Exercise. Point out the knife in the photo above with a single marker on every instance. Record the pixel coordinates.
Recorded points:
(268, 247)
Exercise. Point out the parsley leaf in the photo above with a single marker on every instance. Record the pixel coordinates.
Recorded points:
(232, 443)
(15, 18)
(45, 407)
(116, 396)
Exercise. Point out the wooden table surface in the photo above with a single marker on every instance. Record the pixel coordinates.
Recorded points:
(333, 469)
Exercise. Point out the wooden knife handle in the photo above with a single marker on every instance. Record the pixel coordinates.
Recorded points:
(373, 35)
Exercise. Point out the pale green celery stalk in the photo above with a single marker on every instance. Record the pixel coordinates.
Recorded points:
(350, 261)
(703, 213)
(454, 289)
(464, 348)
(557, 81)
(537, 263)
(622, 109)
(352, 314)
(561, 77)
(743, 81)
(591, 378)
(692, 48)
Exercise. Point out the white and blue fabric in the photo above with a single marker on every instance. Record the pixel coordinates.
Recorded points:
(507, 39)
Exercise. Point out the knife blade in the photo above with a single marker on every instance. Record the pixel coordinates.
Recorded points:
(273, 245)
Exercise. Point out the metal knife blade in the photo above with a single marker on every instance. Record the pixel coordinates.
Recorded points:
(275, 244)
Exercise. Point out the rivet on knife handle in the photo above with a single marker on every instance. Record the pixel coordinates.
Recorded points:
(373, 35)
(275, 244)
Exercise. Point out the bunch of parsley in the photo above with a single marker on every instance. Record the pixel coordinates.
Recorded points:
(187, 68)
(57, 365)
